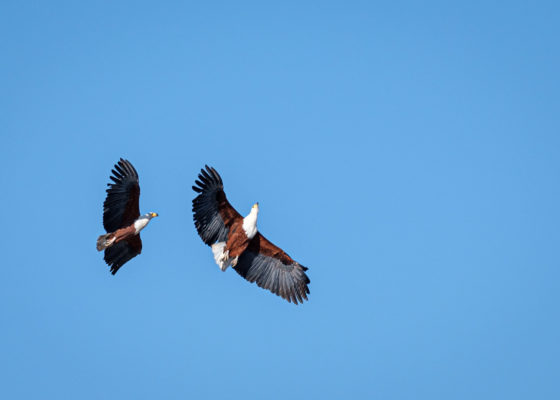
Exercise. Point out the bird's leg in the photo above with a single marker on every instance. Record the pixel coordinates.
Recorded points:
(234, 261)
(225, 255)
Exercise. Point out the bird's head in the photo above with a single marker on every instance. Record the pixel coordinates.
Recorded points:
(255, 208)
(151, 215)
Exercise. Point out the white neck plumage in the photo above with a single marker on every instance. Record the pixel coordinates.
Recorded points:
(141, 222)
(250, 222)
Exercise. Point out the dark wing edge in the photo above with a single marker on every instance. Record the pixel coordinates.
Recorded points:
(120, 253)
(121, 206)
(212, 213)
(270, 268)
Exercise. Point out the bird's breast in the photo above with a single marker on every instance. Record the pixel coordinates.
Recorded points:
(250, 227)
(140, 224)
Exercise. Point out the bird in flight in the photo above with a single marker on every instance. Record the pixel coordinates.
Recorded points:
(121, 217)
(236, 241)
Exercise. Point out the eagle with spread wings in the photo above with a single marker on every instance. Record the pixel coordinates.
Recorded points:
(236, 241)
(121, 217)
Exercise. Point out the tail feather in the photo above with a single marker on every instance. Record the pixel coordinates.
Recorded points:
(221, 259)
(105, 241)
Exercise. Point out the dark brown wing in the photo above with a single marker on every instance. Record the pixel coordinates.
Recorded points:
(121, 207)
(118, 254)
(213, 215)
(271, 268)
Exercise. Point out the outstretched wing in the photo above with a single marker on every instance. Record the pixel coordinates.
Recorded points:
(118, 254)
(272, 269)
(213, 215)
(121, 208)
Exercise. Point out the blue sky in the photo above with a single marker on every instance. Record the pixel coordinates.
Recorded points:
(406, 152)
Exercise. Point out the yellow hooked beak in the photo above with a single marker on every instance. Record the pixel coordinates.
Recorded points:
(256, 205)
(154, 214)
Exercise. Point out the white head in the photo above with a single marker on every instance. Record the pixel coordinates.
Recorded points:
(141, 222)
(255, 209)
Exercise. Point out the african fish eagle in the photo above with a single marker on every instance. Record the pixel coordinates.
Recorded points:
(235, 241)
(121, 217)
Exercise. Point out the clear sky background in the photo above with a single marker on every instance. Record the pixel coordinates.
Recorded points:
(406, 152)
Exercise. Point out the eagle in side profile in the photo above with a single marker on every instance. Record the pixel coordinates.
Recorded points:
(121, 217)
(235, 241)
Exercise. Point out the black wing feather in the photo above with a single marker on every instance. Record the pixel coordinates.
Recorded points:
(287, 281)
(121, 207)
(212, 213)
(120, 253)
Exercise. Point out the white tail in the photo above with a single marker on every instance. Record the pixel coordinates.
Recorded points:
(220, 257)
(105, 241)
